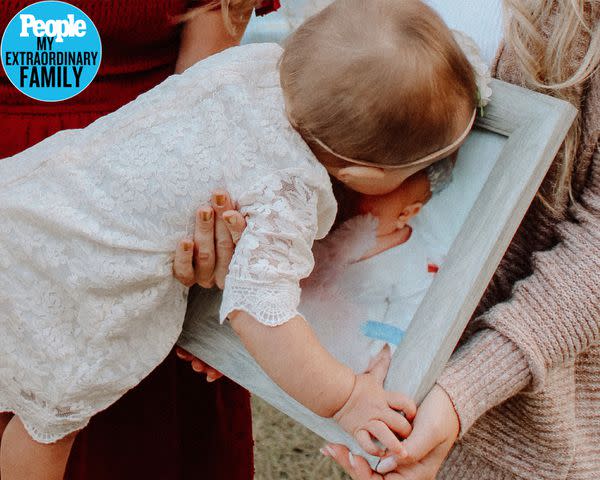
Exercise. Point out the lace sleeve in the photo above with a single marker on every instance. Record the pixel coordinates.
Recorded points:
(274, 252)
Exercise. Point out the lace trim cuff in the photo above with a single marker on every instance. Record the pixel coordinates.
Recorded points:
(270, 304)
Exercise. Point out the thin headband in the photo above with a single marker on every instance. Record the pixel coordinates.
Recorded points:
(432, 157)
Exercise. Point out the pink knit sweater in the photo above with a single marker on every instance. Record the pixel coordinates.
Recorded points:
(525, 379)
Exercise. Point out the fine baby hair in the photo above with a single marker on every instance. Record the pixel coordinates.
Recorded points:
(381, 82)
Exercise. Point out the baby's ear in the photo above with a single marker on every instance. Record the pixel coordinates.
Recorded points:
(410, 211)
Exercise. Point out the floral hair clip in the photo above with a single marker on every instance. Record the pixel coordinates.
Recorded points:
(440, 173)
(483, 76)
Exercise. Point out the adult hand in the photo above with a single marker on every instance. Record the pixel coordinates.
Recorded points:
(198, 365)
(204, 259)
(435, 430)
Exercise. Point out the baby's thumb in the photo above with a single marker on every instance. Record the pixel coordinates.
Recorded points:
(381, 364)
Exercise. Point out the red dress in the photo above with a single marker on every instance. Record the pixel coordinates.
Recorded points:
(173, 425)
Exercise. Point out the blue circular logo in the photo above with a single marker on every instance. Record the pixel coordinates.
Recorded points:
(51, 51)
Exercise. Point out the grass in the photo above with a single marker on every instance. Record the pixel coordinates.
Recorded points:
(285, 450)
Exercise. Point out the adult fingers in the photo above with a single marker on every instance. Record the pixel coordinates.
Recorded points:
(357, 467)
(223, 241)
(399, 401)
(204, 247)
(183, 264)
(212, 375)
(382, 432)
(198, 365)
(425, 469)
(418, 445)
(235, 223)
(184, 354)
(202, 367)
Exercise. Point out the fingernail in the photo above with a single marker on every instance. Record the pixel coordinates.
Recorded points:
(210, 378)
(387, 465)
(330, 450)
(187, 246)
(324, 452)
(352, 461)
(231, 220)
(206, 215)
(220, 199)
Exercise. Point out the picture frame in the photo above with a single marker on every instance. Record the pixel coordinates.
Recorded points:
(533, 126)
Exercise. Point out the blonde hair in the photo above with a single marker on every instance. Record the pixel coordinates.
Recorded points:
(380, 81)
(235, 12)
(555, 58)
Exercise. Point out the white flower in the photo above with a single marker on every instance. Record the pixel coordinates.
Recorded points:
(483, 76)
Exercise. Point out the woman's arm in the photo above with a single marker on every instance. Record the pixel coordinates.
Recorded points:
(204, 35)
(551, 318)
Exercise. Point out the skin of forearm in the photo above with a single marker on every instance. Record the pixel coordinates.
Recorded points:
(205, 35)
(294, 358)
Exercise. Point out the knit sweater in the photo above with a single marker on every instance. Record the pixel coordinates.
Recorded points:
(525, 378)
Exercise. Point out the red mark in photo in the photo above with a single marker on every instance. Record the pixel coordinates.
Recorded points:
(432, 268)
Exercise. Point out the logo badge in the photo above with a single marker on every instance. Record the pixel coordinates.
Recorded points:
(51, 51)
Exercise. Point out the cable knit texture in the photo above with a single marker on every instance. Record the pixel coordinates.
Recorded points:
(525, 379)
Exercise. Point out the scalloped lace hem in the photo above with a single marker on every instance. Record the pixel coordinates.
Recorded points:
(44, 435)
(271, 305)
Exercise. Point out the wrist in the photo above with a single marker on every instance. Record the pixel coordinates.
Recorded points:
(343, 394)
(450, 413)
(351, 399)
(483, 373)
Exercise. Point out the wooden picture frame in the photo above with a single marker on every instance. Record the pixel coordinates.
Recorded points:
(534, 126)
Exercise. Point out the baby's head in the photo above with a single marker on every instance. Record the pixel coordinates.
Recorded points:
(379, 89)
(395, 209)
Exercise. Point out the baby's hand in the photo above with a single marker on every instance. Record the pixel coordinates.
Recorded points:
(372, 413)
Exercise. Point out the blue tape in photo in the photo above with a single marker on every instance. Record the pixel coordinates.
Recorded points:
(382, 331)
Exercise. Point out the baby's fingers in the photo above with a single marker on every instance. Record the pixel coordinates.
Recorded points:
(386, 437)
(397, 422)
(399, 401)
(364, 439)
(381, 365)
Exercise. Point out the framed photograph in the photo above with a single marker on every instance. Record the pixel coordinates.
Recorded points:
(497, 174)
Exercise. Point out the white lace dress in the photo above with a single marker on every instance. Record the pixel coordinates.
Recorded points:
(90, 220)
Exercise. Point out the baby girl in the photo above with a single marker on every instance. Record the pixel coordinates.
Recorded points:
(368, 92)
